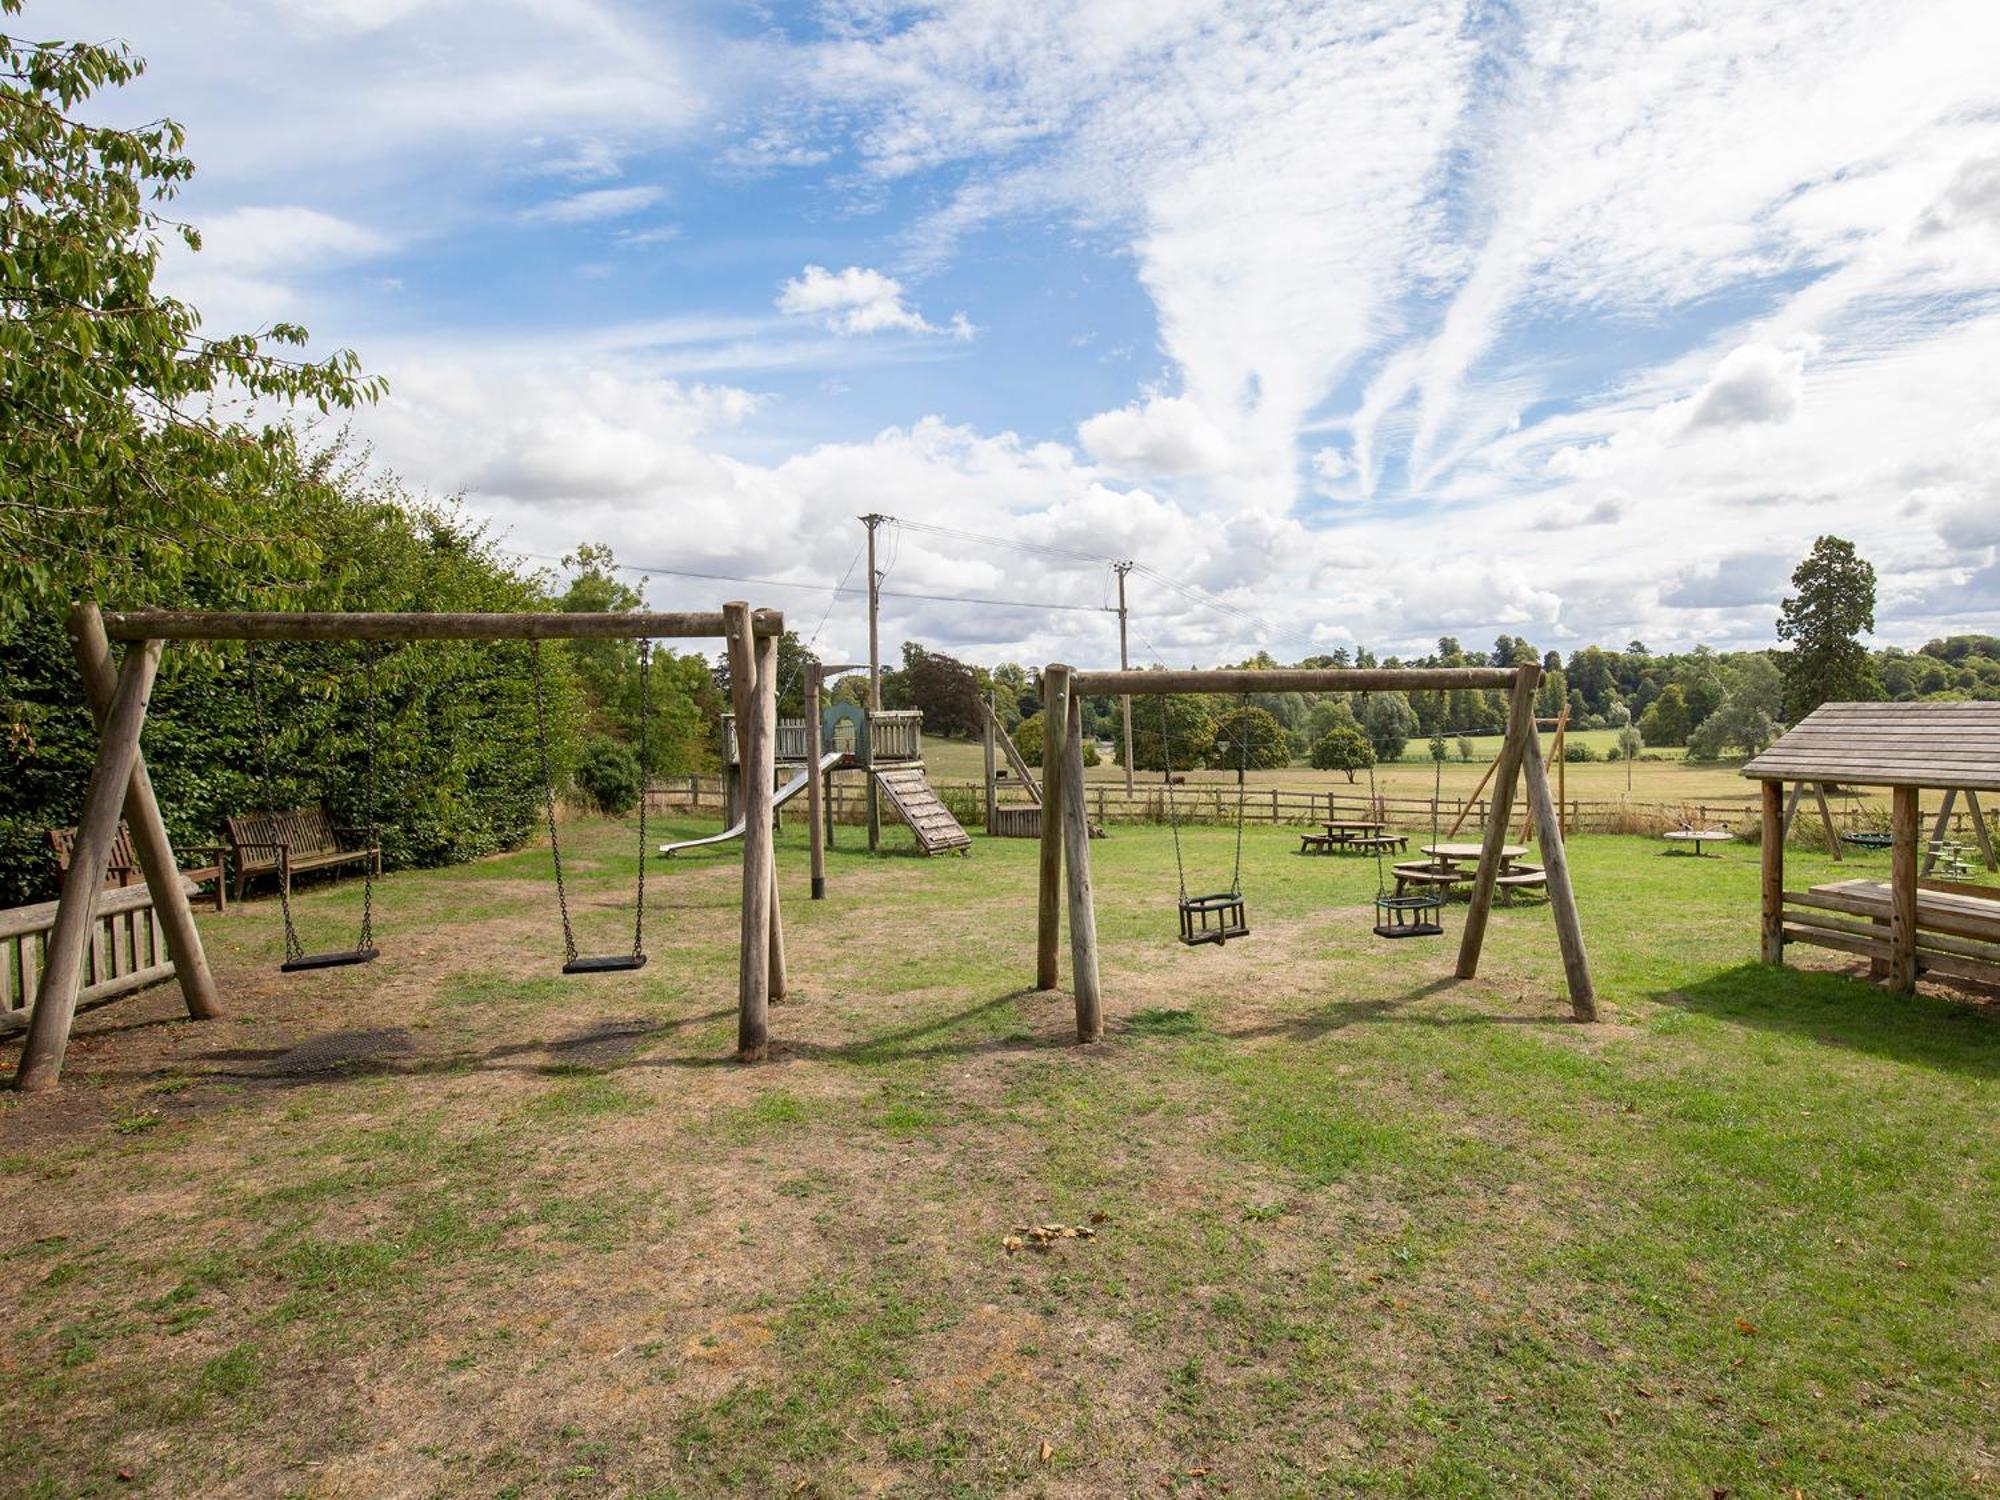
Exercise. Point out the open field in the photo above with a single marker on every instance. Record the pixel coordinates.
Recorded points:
(1670, 779)
(453, 1225)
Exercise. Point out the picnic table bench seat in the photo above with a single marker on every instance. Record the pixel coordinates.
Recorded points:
(124, 867)
(1318, 843)
(294, 840)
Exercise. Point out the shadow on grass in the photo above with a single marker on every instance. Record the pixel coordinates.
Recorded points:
(1338, 1015)
(1926, 1030)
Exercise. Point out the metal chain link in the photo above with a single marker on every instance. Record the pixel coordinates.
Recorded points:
(1173, 816)
(1242, 790)
(366, 940)
(294, 950)
(549, 791)
(645, 716)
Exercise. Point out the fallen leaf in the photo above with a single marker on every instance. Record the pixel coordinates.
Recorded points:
(1612, 1417)
(1902, 1265)
(1761, 1421)
(1099, 1216)
(1012, 1244)
(1640, 1390)
(1048, 1451)
(1197, 1473)
(1502, 1400)
(1745, 1327)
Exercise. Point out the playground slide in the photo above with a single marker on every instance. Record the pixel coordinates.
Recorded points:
(779, 798)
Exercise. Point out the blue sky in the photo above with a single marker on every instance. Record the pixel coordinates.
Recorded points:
(1376, 321)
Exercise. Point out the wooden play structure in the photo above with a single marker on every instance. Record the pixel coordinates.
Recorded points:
(1911, 925)
(1018, 821)
(887, 745)
(118, 690)
(1065, 842)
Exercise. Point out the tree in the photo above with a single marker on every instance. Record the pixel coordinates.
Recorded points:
(1249, 739)
(1465, 748)
(1342, 749)
(1752, 699)
(1666, 719)
(1824, 620)
(1388, 722)
(110, 452)
(1189, 728)
(944, 688)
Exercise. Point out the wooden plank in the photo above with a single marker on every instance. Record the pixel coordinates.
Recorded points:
(1863, 947)
(1562, 897)
(1978, 971)
(283, 625)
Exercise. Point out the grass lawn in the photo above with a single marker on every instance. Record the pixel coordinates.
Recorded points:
(453, 1225)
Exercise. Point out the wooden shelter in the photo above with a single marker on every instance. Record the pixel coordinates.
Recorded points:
(118, 689)
(1911, 925)
(1065, 833)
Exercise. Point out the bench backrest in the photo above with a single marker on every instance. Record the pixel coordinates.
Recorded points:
(62, 843)
(302, 830)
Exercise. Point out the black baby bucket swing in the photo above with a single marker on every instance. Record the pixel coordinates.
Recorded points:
(1218, 917)
(1421, 913)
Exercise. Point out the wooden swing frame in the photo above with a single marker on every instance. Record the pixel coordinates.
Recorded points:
(1066, 835)
(118, 690)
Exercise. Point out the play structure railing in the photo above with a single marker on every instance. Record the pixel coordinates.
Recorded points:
(126, 952)
(897, 735)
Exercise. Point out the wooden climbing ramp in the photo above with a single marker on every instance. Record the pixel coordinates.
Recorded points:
(909, 791)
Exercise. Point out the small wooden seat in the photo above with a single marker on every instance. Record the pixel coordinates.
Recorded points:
(296, 839)
(124, 867)
(1318, 843)
(1396, 841)
(1521, 878)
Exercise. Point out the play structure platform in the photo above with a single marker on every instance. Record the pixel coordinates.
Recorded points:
(888, 745)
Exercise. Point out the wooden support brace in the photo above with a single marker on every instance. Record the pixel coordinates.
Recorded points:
(149, 830)
(767, 710)
(1979, 830)
(1082, 908)
(753, 991)
(90, 857)
(1520, 727)
(1048, 913)
(1941, 830)
(1562, 896)
(1826, 821)
(1792, 807)
(815, 787)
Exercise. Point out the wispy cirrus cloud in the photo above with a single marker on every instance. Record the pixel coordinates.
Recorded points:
(595, 205)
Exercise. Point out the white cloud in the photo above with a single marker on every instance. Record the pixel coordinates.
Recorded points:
(595, 205)
(860, 301)
(1755, 383)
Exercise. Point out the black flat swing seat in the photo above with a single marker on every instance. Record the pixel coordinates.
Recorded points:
(1213, 919)
(338, 959)
(610, 963)
(1409, 916)
(1868, 840)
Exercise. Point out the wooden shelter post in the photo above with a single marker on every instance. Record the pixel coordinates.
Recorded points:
(1905, 827)
(149, 830)
(1772, 850)
(1082, 906)
(1048, 923)
(104, 796)
(1520, 729)
(815, 788)
(1562, 897)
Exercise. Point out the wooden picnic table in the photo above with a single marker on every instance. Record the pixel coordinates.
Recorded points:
(1339, 826)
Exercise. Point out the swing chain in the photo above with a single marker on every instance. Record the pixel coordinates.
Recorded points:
(1173, 816)
(294, 950)
(367, 938)
(1242, 779)
(645, 763)
(549, 798)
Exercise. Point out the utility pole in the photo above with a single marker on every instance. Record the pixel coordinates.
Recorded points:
(1124, 664)
(871, 521)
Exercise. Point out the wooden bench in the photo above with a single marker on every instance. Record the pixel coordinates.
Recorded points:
(124, 867)
(127, 951)
(1520, 878)
(1427, 874)
(1958, 926)
(1399, 842)
(287, 843)
(1319, 843)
